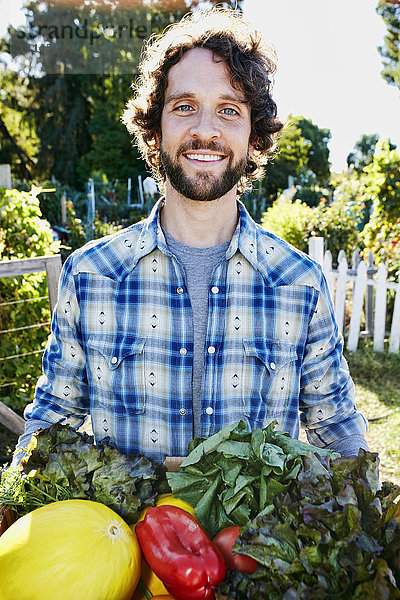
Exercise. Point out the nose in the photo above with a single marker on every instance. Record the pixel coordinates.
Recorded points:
(205, 126)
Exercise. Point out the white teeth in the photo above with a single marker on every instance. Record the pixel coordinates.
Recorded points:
(205, 157)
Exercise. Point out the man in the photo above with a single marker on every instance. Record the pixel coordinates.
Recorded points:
(197, 317)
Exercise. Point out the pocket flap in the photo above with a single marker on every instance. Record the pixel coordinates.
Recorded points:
(273, 354)
(116, 349)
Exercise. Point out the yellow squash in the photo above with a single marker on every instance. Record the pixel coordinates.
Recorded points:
(148, 584)
(171, 501)
(69, 550)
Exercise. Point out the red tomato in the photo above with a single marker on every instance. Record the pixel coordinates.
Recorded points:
(224, 541)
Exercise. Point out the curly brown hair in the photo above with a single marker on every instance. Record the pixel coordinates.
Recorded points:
(251, 64)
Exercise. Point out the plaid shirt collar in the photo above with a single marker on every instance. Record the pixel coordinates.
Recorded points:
(244, 239)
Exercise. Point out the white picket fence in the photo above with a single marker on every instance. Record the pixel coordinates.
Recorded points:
(364, 289)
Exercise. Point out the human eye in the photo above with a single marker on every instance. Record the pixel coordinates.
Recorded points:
(183, 108)
(229, 111)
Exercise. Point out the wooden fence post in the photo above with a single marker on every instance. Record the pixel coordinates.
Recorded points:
(394, 342)
(340, 298)
(380, 309)
(358, 300)
(316, 249)
(369, 298)
(328, 272)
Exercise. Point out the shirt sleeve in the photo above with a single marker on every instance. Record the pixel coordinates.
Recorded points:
(350, 445)
(61, 393)
(327, 400)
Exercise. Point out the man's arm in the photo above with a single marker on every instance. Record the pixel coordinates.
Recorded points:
(62, 391)
(327, 398)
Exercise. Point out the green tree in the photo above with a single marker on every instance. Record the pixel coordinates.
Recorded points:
(18, 136)
(317, 140)
(383, 181)
(303, 154)
(390, 50)
(290, 160)
(111, 149)
(381, 188)
(62, 120)
(363, 151)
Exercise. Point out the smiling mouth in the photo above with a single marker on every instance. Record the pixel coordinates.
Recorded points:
(204, 158)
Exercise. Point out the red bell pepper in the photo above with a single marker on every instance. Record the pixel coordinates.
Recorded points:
(179, 552)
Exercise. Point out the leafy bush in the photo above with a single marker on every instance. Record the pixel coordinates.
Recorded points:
(295, 222)
(383, 181)
(382, 187)
(383, 238)
(289, 220)
(23, 234)
(338, 224)
(308, 189)
(76, 235)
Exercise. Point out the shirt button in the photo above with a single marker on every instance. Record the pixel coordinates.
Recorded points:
(209, 410)
(182, 411)
(183, 351)
(114, 360)
(272, 365)
(210, 349)
(179, 290)
(215, 289)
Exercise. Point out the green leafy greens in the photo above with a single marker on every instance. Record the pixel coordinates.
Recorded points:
(233, 475)
(61, 463)
(314, 521)
(329, 536)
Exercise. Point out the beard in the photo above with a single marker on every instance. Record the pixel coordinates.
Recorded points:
(202, 186)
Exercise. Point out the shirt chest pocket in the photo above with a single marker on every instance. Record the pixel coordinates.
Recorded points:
(116, 370)
(269, 378)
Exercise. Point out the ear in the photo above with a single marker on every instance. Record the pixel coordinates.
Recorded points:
(157, 139)
(251, 150)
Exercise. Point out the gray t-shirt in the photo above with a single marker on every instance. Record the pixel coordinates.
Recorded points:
(199, 265)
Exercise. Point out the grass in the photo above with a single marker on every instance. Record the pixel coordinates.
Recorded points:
(377, 381)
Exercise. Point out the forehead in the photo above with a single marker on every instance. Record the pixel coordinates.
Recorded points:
(201, 71)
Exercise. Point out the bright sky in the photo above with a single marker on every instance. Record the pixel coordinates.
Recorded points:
(328, 65)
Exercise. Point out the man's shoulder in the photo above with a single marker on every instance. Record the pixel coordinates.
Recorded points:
(110, 256)
(283, 264)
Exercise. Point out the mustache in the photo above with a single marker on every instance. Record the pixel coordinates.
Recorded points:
(199, 145)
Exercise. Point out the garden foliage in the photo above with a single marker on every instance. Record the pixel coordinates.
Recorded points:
(23, 234)
(295, 222)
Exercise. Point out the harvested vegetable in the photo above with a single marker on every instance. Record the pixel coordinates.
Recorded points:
(62, 464)
(149, 585)
(330, 535)
(180, 553)
(169, 499)
(230, 477)
(225, 540)
(71, 549)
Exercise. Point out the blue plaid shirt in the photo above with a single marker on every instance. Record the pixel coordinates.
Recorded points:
(121, 347)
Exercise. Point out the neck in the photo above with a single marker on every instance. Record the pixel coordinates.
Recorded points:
(200, 224)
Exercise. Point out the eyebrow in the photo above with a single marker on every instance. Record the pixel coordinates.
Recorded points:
(183, 95)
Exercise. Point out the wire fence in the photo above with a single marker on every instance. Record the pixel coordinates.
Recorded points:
(10, 302)
(7, 332)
